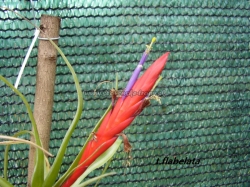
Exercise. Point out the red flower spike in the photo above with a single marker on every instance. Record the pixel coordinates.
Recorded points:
(120, 117)
(139, 91)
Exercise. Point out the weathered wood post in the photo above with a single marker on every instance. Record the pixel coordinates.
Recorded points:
(45, 81)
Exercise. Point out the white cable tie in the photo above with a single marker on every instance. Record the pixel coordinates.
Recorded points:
(27, 57)
(49, 38)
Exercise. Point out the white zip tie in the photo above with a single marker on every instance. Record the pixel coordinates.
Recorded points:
(27, 57)
(49, 38)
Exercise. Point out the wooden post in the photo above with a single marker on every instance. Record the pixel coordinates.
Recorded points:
(45, 81)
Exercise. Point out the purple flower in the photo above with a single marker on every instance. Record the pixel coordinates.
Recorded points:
(138, 69)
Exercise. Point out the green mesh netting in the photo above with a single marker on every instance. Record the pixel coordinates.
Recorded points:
(205, 110)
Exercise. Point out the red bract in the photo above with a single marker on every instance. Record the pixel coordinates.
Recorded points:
(120, 117)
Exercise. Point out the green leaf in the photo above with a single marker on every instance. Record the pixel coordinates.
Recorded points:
(101, 160)
(55, 168)
(95, 179)
(7, 151)
(5, 183)
(38, 175)
(104, 170)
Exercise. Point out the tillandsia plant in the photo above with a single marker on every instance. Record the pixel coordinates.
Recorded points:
(133, 100)
(103, 142)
